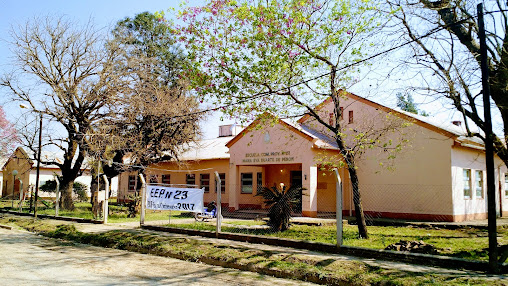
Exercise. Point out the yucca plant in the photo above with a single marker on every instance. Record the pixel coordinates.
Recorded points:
(281, 203)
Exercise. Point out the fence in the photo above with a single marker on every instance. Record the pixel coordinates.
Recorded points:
(419, 221)
(398, 217)
(48, 204)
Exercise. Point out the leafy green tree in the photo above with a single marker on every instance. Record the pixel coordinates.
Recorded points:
(155, 114)
(78, 188)
(406, 103)
(149, 36)
(284, 57)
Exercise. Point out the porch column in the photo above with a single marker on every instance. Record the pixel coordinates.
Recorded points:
(309, 198)
(233, 186)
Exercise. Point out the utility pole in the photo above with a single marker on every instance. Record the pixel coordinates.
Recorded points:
(489, 148)
(38, 166)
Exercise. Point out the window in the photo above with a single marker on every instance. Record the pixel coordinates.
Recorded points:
(204, 182)
(247, 183)
(190, 179)
(351, 116)
(222, 177)
(132, 183)
(466, 177)
(259, 181)
(166, 179)
(154, 179)
(341, 113)
(506, 185)
(479, 184)
(331, 119)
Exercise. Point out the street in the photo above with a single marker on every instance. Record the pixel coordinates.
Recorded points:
(28, 259)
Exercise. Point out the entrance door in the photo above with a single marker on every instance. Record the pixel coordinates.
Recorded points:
(16, 188)
(295, 179)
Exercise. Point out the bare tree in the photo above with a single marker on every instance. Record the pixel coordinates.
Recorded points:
(154, 116)
(64, 72)
(445, 56)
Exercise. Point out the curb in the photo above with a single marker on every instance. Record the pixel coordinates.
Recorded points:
(314, 278)
(412, 258)
(64, 218)
(5, 226)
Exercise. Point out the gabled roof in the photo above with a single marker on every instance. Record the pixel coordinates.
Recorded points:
(207, 149)
(3, 161)
(13, 156)
(318, 139)
(449, 129)
(45, 156)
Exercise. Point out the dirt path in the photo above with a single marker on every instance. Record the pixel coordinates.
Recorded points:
(28, 259)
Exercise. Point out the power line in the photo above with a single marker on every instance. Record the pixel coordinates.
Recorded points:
(261, 94)
(265, 93)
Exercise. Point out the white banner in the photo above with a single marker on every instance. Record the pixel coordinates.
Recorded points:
(175, 199)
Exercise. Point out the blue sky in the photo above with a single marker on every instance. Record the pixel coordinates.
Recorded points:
(106, 13)
(103, 13)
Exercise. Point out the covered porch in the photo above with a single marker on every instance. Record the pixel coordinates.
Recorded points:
(272, 151)
(318, 196)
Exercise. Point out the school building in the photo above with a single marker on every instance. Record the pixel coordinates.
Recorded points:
(438, 174)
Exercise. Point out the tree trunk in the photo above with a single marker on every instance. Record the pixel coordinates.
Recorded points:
(94, 188)
(66, 190)
(357, 200)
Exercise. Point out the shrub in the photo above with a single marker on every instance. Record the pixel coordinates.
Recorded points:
(281, 203)
(78, 188)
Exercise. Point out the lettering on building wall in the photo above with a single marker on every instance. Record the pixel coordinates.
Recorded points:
(269, 157)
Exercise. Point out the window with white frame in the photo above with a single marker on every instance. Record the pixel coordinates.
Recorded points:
(259, 181)
(506, 184)
(132, 183)
(479, 183)
(222, 177)
(190, 179)
(466, 178)
(246, 183)
(154, 179)
(166, 179)
(204, 182)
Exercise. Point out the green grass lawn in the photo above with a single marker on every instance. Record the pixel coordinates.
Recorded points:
(464, 243)
(327, 271)
(117, 213)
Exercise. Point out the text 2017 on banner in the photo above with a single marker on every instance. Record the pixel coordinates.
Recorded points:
(167, 198)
